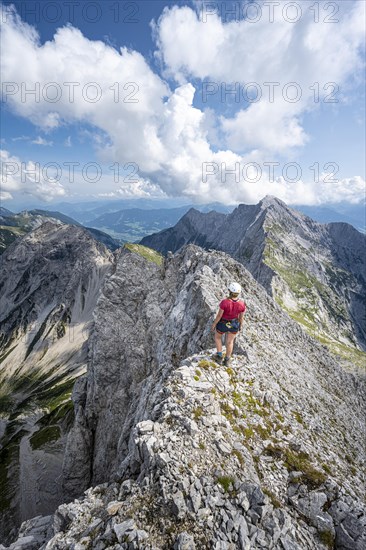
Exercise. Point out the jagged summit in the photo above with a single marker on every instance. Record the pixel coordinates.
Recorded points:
(197, 215)
(268, 202)
(192, 212)
(271, 200)
(287, 252)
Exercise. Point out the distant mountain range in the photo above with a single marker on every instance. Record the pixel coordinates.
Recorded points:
(354, 214)
(270, 239)
(111, 226)
(316, 272)
(135, 223)
(88, 212)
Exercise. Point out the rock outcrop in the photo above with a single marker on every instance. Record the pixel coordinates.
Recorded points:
(315, 272)
(50, 280)
(147, 311)
(221, 463)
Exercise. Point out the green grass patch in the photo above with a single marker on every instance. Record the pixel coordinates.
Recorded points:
(63, 414)
(9, 458)
(8, 234)
(298, 417)
(275, 502)
(327, 469)
(298, 461)
(226, 482)
(204, 364)
(247, 431)
(197, 412)
(264, 433)
(47, 395)
(228, 412)
(327, 538)
(304, 285)
(239, 456)
(147, 253)
(5, 404)
(238, 399)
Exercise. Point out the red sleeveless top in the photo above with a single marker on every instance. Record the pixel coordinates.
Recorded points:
(232, 308)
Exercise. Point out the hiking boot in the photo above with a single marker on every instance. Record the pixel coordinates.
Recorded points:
(218, 358)
(227, 361)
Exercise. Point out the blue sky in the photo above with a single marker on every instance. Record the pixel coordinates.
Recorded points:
(170, 140)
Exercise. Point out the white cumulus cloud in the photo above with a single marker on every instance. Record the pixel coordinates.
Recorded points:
(28, 178)
(136, 118)
(289, 67)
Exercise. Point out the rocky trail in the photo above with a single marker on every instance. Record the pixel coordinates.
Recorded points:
(218, 465)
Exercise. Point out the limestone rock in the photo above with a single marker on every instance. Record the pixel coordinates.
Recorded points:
(143, 388)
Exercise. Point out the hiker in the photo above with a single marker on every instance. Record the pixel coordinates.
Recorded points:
(228, 321)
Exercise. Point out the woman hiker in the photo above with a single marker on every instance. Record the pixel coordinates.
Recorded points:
(228, 321)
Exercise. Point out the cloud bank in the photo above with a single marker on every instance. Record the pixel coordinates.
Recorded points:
(180, 149)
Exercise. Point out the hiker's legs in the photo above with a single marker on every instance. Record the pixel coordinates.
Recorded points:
(218, 341)
(230, 338)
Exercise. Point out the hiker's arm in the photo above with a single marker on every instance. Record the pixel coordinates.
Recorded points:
(241, 317)
(217, 318)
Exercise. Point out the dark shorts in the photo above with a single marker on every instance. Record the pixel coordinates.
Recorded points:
(227, 326)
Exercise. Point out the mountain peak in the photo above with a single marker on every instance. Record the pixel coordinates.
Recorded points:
(192, 212)
(271, 200)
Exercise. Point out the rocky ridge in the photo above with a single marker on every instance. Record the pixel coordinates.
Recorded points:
(176, 452)
(316, 272)
(182, 454)
(13, 226)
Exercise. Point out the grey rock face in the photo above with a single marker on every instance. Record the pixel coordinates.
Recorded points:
(27, 221)
(184, 542)
(49, 285)
(315, 271)
(41, 276)
(194, 227)
(159, 312)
